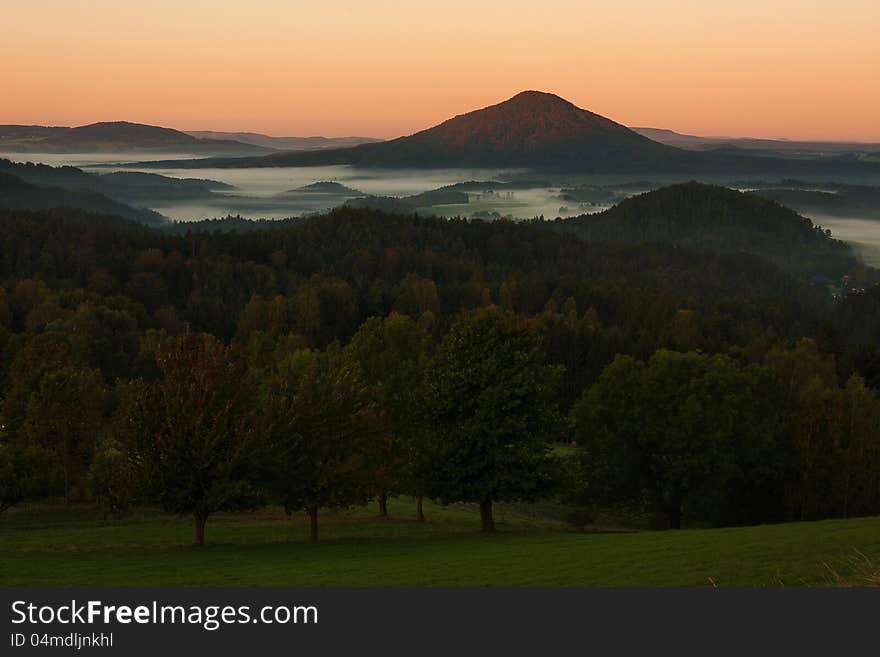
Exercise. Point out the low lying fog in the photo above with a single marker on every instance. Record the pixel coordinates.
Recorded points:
(863, 234)
(260, 193)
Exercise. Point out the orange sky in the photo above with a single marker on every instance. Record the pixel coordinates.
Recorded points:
(766, 68)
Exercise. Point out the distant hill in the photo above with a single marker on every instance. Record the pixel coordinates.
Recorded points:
(11, 134)
(124, 186)
(326, 187)
(532, 129)
(116, 136)
(544, 133)
(284, 143)
(721, 220)
(775, 146)
(827, 198)
(449, 195)
(16, 194)
(139, 186)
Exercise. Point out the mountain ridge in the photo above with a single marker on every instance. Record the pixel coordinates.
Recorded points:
(532, 128)
(308, 143)
(115, 136)
(708, 142)
(538, 131)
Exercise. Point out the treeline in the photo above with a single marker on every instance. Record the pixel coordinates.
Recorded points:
(217, 428)
(273, 348)
(712, 440)
(473, 417)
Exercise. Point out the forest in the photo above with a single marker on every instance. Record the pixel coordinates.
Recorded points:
(363, 355)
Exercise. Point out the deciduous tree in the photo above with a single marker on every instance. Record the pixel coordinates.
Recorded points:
(683, 434)
(490, 402)
(191, 431)
(315, 405)
(392, 354)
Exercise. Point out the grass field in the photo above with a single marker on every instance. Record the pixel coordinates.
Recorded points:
(50, 547)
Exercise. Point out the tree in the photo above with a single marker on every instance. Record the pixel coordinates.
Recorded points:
(21, 474)
(835, 436)
(113, 479)
(392, 354)
(682, 434)
(856, 441)
(64, 415)
(315, 407)
(795, 367)
(490, 403)
(191, 431)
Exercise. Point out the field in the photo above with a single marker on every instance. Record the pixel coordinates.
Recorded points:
(357, 548)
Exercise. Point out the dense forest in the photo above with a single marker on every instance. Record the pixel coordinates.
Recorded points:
(712, 218)
(359, 354)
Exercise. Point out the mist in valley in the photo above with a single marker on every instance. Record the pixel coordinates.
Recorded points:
(862, 234)
(277, 193)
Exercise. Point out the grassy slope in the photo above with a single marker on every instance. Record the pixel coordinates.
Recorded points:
(358, 549)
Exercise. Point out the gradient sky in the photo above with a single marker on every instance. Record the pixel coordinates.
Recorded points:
(804, 69)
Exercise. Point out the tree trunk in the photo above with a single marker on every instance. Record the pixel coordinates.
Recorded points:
(65, 461)
(66, 483)
(313, 522)
(675, 517)
(420, 512)
(383, 503)
(486, 516)
(201, 519)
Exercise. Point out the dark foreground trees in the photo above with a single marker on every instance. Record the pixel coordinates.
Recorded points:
(87, 303)
(190, 432)
(686, 435)
(316, 417)
(22, 474)
(835, 436)
(489, 402)
(392, 353)
(64, 414)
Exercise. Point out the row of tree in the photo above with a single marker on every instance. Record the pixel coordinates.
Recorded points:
(472, 420)
(472, 417)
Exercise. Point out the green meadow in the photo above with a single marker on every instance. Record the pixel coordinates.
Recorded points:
(45, 546)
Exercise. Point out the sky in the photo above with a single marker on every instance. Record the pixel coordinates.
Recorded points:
(798, 69)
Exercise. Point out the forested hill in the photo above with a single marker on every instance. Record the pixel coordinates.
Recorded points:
(123, 186)
(332, 272)
(15, 193)
(720, 220)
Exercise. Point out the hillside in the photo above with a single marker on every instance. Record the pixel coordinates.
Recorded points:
(124, 186)
(284, 143)
(16, 194)
(828, 198)
(541, 132)
(326, 187)
(532, 129)
(717, 219)
(116, 136)
(464, 258)
(776, 146)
